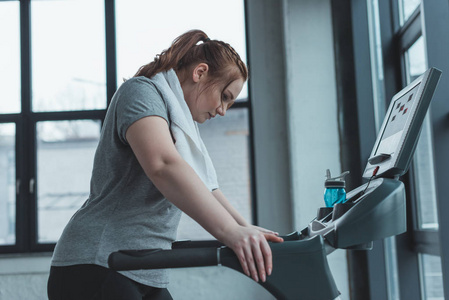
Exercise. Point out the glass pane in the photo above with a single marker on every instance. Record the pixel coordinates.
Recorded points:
(9, 57)
(425, 179)
(140, 38)
(7, 184)
(68, 55)
(406, 9)
(227, 140)
(423, 160)
(391, 265)
(376, 63)
(65, 153)
(416, 62)
(432, 277)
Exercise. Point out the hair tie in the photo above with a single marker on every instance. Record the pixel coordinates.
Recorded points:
(206, 40)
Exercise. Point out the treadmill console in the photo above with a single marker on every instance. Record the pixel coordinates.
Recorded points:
(400, 130)
(377, 209)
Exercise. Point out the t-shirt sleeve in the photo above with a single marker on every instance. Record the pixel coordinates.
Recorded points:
(137, 99)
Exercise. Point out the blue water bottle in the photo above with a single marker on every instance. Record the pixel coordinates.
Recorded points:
(334, 189)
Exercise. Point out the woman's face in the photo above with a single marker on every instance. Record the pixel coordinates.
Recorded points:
(205, 102)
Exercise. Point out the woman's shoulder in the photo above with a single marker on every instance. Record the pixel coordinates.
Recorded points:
(139, 81)
(137, 87)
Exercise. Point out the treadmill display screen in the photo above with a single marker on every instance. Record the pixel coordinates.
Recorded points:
(396, 123)
(397, 139)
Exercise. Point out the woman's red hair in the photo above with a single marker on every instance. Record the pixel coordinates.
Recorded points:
(186, 51)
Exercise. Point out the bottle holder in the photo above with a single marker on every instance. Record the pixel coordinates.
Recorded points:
(324, 213)
(340, 209)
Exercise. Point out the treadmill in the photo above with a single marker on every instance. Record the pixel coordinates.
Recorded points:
(372, 211)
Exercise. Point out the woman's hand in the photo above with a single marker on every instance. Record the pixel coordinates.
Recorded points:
(270, 235)
(251, 247)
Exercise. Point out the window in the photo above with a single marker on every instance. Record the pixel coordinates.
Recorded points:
(65, 152)
(63, 60)
(376, 63)
(68, 55)
(415, 61)
(9, 57)
(406, 9)
(9, 107)
(50, 115)
(410, 34)
(7, 184)
(424, 179)
(68, 74)
(431, 277)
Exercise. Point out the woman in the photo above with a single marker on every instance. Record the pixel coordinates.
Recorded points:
(150, 164)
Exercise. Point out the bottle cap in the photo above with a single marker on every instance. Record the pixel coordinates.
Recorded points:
(336, 182)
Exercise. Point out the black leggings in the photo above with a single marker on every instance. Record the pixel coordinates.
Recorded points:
(99, 283)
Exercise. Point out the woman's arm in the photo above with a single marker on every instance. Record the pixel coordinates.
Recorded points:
(228, 206)
(269, 234)
(152, 144)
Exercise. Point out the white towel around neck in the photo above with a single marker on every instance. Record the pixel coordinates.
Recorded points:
(184, 129)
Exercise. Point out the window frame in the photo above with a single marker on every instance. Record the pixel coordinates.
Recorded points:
(436, 19)
(26, 120)
(396, 40)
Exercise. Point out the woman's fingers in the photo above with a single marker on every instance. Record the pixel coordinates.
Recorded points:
(250, 260)
(266, 250)
(261, 256)
(264, 230)
(273, 238)
(243, 262)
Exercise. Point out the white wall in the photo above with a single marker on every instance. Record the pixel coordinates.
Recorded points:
(24, 277)
(295, 107)
(312, 113)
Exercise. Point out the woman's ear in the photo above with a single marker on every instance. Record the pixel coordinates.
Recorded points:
(200, 72)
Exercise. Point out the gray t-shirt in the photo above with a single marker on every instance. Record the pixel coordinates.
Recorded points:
(124, 209)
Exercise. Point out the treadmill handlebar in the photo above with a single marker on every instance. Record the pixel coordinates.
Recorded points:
(160, 259)
(183, 255)
(215, 243)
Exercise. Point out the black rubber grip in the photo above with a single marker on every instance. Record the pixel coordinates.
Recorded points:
(196, 244)
(294, 236)
(162, 259)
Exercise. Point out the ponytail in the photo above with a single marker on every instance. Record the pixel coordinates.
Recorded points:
(186, 51)
(170, 58)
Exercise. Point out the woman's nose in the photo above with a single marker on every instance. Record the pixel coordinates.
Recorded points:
(221, 111)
